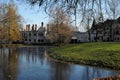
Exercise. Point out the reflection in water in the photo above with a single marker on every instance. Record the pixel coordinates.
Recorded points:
(30, 63)
(8, 64)
(60, 71)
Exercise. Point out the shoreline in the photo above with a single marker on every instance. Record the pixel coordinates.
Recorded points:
(79, 63)
(69, 55)
(100, 78)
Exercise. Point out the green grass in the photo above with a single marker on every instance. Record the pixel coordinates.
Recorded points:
(102, 54)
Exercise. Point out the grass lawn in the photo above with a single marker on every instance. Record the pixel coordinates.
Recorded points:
(102, 54)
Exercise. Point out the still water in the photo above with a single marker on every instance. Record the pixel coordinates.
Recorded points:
(30, 63)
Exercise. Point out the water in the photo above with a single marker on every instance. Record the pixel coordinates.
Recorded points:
(30, 63)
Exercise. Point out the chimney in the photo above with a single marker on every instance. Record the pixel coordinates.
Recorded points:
(29, 27)
(26, 27)
(42, 24)
(35, 27)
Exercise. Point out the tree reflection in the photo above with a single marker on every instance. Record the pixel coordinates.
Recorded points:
(30, 63)
(33, 54)
(8, 63)
(60, 71)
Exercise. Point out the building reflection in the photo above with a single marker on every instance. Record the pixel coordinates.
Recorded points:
(59, 71)
(30, 63)
(33, 54)
(10, 60)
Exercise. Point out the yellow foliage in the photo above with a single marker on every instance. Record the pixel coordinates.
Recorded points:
(13, 22)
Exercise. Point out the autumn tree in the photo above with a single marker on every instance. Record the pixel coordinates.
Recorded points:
(10, 24)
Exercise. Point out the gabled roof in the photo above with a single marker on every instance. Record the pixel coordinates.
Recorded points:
(118, 20)
(97, 25)
(106, 23)
(93, 24)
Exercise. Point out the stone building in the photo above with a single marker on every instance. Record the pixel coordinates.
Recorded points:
(32, 35)
(108, 30)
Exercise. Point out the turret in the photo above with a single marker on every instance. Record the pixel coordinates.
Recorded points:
(42, 24)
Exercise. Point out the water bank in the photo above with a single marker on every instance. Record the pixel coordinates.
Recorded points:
(102, 54)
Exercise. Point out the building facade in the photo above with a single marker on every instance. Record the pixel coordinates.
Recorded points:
(106, 31)
(78, 37)
(32, 35)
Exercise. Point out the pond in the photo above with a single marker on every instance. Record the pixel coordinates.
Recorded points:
(30, 63)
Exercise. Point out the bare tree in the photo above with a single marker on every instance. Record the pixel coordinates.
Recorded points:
(101, 9)
(59, 27)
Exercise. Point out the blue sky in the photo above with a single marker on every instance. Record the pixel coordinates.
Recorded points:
(31, 15)
(36, 15)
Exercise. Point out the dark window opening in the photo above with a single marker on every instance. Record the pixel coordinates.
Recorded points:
(29, 39)
(118, 38)
(117, 32)
(40, 34)
(42, 40)
(29, 34)
(108, 39)
(34, 40)
(39, 40)
(34, 34)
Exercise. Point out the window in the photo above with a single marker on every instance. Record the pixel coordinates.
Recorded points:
(40, 34)
(29, 39)
(34, 40)
(117, 32)
(42, 40)
(34, 34)
(108, 38)
(39, 40)
(118, 38)
(29, 34)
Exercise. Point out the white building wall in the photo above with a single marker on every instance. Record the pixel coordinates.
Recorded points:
(83, 37)
(34, 37)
